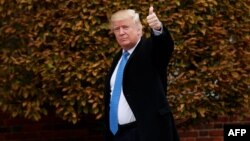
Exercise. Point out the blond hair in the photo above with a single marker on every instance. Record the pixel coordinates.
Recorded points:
(123, 14)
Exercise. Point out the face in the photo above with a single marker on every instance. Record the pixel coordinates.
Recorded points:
(127, 33)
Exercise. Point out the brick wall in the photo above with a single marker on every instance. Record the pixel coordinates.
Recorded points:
(210, 131)
(48, 129)
(55, 129)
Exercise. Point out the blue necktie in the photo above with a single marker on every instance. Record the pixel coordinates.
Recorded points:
(113, 114)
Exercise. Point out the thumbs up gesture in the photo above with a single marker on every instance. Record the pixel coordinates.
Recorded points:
(153, 20)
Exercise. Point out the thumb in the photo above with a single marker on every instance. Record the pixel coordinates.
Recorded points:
(151, 10)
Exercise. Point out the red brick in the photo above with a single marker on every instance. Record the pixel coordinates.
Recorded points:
(216, 133)
(204, 139)
(188, 134)
(218, 125)
(218, 139)
(203, 133)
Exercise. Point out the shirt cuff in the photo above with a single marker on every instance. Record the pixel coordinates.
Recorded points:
(158, 32)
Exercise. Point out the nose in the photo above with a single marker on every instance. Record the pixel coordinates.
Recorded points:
(121, 31)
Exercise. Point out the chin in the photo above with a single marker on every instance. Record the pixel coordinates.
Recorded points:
(124, 44)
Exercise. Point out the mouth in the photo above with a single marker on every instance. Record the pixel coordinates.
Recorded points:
(123, 39)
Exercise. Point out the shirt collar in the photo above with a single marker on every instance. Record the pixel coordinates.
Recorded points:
(130, 51)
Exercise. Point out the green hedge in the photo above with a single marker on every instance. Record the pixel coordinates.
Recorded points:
(55, 54)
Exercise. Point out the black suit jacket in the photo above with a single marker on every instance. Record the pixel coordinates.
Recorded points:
(144, 87)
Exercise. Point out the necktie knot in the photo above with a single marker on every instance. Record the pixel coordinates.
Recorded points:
(125, 54)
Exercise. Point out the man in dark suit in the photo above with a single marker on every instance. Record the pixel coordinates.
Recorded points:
(136, 108)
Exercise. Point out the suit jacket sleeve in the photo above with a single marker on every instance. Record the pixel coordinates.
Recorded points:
(162, 49)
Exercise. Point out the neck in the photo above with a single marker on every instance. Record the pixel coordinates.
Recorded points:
(132, 46)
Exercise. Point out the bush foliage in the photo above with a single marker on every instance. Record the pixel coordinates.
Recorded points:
(55, 54)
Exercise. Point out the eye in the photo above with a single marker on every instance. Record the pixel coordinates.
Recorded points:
(125, 27)
(116, 29)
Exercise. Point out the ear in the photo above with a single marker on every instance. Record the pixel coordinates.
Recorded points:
(139, 32)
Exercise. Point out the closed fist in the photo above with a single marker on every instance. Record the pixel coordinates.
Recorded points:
(153, 20)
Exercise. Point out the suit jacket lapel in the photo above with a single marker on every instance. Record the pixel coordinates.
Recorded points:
(115, 62)
(139, 45)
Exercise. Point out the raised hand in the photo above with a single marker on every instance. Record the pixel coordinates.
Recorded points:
(153, 20)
